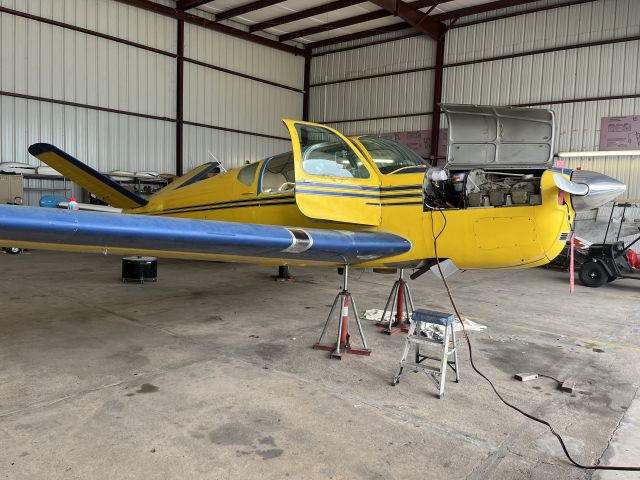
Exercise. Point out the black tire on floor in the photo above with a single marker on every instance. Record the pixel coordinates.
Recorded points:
(12, 250)
(593, 274)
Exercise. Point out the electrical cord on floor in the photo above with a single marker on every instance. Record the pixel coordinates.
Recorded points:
(550, 377)
(475, 369)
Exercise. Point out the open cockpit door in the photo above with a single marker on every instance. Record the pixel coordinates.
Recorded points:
(333, 180)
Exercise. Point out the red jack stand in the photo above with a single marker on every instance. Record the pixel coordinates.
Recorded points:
(399, 309)
(343, 341)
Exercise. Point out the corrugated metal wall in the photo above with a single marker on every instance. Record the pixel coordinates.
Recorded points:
(221, 99)
(48, 61)
(588, 72)
(52, 62)
(596, 71)
(396, 95)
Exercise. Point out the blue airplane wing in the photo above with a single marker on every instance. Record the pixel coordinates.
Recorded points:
(52, 229)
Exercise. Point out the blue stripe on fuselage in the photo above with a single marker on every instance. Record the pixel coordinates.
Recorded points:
(222, 207)
(229, 202)
(358, 187)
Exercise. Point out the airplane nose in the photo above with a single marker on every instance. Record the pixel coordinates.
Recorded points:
(602, 189)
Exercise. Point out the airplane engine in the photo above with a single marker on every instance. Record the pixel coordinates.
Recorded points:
(479, 188)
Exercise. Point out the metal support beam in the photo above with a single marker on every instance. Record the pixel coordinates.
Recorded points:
(485, 7)
(242, 9)
(413, 16)
(346, 22)
(437, 97)
(187, 4)
(325, 27)
(449, 27)
(519, 13)
(440, 17)
(180, 98)
(358, 35)
(307, 88)
(309, 12)
(208, 24)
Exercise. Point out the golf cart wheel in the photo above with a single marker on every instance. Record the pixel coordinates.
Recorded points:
(12, 250)
(593, 275)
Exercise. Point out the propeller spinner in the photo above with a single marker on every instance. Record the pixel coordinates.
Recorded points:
(589, 189)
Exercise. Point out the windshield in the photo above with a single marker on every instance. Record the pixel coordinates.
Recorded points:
(390, 156)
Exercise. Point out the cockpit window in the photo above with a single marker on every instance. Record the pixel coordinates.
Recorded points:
(325, 153)
(390, 156)
(247, 174)
(279, 174)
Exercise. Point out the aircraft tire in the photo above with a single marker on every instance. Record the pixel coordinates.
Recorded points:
(12, 250)
(593, 275)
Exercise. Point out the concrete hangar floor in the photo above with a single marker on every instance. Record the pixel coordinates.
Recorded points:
(209, 374)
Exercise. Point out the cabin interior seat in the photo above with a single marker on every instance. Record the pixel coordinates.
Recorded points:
(279, 175)
(271, 182)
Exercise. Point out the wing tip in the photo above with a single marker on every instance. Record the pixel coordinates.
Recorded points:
(39, 148)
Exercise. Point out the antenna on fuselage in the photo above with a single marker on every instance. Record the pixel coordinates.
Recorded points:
(222, 169)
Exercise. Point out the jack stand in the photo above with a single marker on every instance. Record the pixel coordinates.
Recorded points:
(399, 309)
(343, 341)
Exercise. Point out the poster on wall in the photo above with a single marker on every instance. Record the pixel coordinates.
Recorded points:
(420, 141)
(620, 133)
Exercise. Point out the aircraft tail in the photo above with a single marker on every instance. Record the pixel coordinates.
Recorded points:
(102, 187)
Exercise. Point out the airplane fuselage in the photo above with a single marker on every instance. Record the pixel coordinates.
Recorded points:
(367, 201)
(502, 237)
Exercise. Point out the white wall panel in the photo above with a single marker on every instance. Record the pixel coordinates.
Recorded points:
(42, 60)
(231, 101)
(579, 129)
(583, 73)
(512, 10)
(586, 22)
(564, 75)
(361, 41)
(388, 125)
(106, 16)
(404, 54)
(383, 96)
(598, 71)
(232, 149)
(588, 72)
(392, 95)
(217, 98)
(242, 56)
(103, 140)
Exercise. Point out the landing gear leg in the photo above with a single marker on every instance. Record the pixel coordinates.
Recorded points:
(283, 274)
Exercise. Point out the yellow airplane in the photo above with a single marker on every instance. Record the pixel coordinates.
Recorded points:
(333, 201)
(502, 201)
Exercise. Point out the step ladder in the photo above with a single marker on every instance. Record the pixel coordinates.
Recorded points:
(446, 344)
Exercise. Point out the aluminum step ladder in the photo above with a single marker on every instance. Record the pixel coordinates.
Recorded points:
(447, 347)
